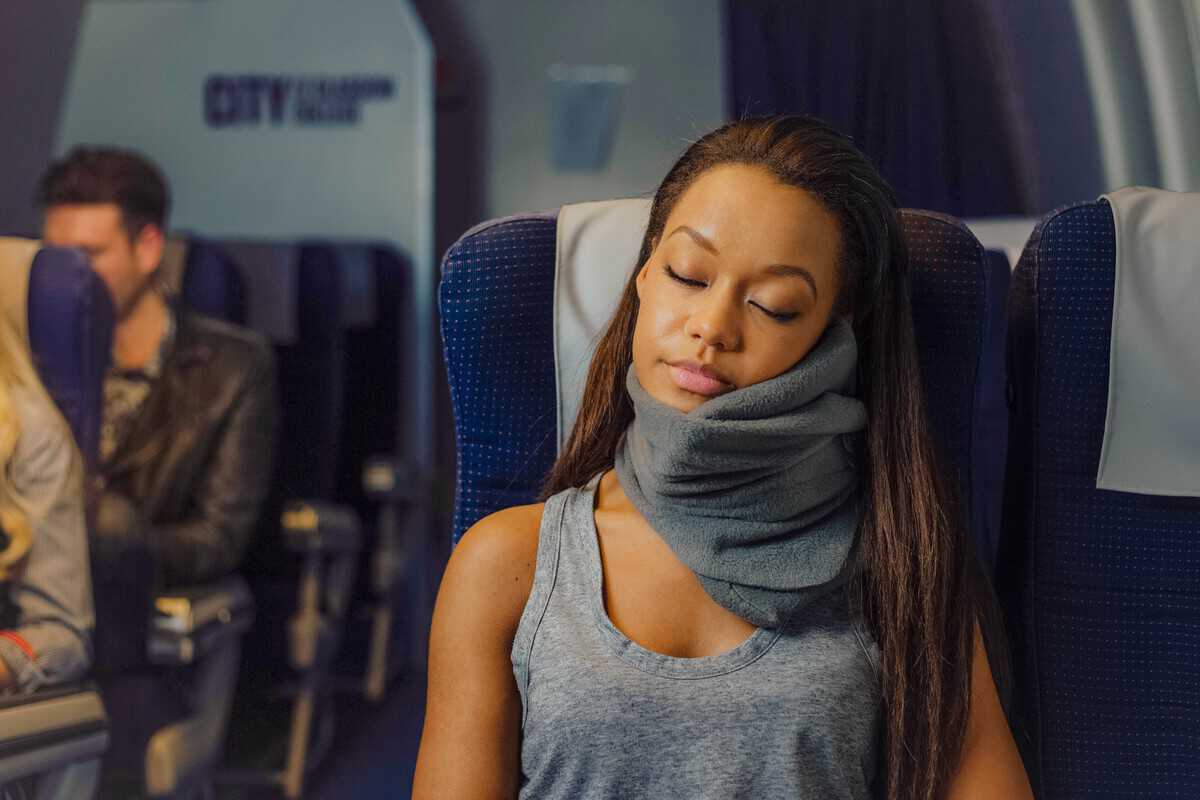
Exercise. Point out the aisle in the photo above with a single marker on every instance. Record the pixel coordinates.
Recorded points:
(377, 749)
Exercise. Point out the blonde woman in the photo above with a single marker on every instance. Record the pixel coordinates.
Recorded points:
(46, 615)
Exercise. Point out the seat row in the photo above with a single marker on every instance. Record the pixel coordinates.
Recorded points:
(331, 549)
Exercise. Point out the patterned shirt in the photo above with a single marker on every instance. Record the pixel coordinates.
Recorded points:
(126, 390)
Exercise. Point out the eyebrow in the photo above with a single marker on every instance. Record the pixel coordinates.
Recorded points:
(790, 270)
(782, 270)
(696, 237)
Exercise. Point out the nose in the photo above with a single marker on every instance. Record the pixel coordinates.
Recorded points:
(714, 321)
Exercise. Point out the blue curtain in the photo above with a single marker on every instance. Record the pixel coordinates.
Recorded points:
(926, 88)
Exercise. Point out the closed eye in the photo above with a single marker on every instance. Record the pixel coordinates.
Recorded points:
(675, 276)
(781, 316)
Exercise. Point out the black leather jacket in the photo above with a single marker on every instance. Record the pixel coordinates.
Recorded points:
(196, 462)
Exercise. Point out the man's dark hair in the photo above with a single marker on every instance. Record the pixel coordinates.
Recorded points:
(89, 175)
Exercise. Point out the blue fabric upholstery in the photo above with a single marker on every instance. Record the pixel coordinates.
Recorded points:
(990, 448)
(211, 283)
(496, 300)
(497, 303)
(70, 334)
(1102, 588)
(958, 297)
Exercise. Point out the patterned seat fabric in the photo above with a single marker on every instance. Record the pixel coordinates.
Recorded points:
(959, 295)
(497, 298)
(1101, 588)
(497, 305)
(70, 335)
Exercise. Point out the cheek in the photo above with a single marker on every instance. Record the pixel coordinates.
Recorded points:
(660, 322)
(778, 352)
(660, 314)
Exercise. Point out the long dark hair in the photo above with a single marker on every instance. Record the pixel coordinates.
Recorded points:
(918, 596)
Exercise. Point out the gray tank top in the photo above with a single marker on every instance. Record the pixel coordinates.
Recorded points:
(792, 712)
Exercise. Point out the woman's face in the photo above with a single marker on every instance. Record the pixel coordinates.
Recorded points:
(739, 287)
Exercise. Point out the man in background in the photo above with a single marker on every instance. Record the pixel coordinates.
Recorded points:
(190, 412)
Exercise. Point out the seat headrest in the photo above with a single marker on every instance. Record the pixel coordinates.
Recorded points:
(596, 254)
(1152, 428)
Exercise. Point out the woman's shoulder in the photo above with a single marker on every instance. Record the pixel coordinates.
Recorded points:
(508, 535)
(490, 573)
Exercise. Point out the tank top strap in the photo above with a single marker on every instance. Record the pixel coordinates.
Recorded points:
(561, 511)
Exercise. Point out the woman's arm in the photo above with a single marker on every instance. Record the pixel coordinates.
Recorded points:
(470, 746)
(991, 766)
(52, 589)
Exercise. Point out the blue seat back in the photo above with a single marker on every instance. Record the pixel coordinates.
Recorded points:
(1101, 588)
(496, 300)
(70, 335)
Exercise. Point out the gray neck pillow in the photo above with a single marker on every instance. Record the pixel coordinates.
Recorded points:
(755, 490)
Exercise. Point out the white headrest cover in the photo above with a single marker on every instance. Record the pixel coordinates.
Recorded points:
(597, 251)
(1152, 429)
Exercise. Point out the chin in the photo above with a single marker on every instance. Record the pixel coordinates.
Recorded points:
(678, 399)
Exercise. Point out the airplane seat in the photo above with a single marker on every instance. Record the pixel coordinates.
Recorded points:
(301, 565)
(372, 477)
(523, 300)
(57, 736)
(1101, 586)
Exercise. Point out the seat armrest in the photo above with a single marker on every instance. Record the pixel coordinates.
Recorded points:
(389, 480)
(49, 729)
(313, 526)
(192, 622)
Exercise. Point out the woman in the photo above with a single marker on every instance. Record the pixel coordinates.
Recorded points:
(748, 577)
(45, 632)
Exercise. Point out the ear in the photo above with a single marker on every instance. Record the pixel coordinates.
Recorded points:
(148, 248)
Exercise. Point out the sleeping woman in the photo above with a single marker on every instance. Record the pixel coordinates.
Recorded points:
(749, 575)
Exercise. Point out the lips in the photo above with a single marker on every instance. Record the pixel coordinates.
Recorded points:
(696, 378)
